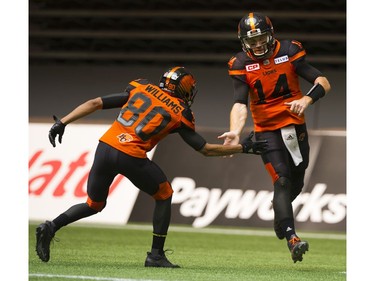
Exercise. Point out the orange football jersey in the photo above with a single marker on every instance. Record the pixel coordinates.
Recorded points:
(148, 116)
(272, 82)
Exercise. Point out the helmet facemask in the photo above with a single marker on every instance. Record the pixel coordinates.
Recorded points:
(258, 45)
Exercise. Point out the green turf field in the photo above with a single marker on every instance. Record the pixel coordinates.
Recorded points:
(118, 254)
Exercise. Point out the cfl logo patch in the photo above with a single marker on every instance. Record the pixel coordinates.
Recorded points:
(122, 138)
(252, 67)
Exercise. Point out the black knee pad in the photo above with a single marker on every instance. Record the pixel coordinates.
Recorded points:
(282, 187)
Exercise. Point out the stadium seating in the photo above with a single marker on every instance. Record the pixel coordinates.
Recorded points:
(203, 32)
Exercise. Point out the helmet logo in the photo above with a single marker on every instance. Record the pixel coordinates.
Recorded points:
(251, 21)
(174, 76)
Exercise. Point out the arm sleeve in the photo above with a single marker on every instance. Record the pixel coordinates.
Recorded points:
(115, 100)
(306, 70)
(192, 138)
(241, 91)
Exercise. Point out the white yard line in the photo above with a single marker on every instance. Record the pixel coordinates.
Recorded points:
(42, 275)
(227, 231)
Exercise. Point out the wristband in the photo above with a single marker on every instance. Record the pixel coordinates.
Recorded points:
(316, 92)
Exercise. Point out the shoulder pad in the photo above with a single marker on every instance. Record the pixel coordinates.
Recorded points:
(296, 50)
(295, 47)
(239, 61)
(290, 48)
(140, 81)
(135, 83)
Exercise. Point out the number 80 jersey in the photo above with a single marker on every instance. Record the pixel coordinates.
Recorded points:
(149, 115)
(272, 82)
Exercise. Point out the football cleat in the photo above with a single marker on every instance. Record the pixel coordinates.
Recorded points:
(297, 248)
(159, 261)
(278, 230)
(44, 235)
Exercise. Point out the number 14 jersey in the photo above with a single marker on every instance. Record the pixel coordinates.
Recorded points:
(272, 82)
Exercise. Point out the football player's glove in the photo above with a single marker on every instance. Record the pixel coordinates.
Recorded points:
(57, 129)
(253, 147)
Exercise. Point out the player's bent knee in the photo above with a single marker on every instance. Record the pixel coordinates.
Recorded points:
(283, 182)
(164, 192)
(282, 188)
(97, 206)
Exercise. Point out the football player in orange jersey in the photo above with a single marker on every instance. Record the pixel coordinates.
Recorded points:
(265, 75)
(148, 114)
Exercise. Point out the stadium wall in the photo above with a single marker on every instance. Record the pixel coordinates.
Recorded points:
(208, 191)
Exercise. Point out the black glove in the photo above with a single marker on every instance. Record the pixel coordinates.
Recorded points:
(253, 147)
(57, 129)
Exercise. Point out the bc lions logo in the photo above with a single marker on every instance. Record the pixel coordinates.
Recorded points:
(125, 138)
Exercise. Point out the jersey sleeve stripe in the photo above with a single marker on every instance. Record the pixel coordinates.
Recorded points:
(134, 83)
(298, 55)
(237, 72)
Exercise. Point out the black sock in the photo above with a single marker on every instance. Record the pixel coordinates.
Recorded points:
(160, 222)
(287, 226)
(73, 214)
(158, 244)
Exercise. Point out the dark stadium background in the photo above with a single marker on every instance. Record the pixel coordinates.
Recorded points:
(83, 49)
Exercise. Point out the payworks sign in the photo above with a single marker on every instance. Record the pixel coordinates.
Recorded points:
(237, 191)
(232, 191)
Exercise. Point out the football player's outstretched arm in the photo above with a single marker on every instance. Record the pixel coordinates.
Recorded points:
(83, 110)
(247, 145)
(238, 117)
(105, 102)
(80, 111)
(210, 149)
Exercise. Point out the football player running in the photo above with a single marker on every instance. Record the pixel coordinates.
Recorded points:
(148, 114)
(265, 75)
